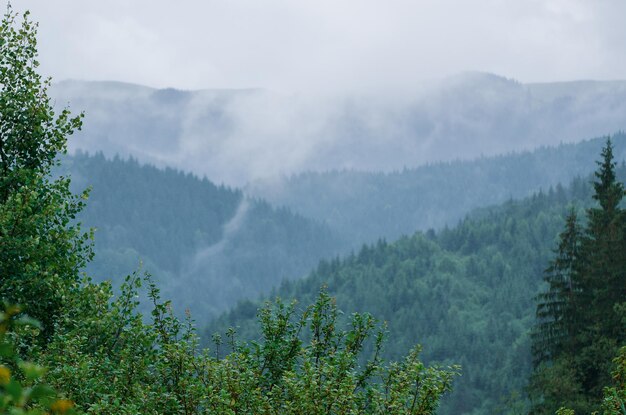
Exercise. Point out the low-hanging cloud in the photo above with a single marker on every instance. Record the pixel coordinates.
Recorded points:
(241, 136)
(205, 255)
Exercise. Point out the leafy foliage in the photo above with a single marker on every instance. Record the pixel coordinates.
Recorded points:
(110, 361)
(41, 249)
(21, 392)
(473, 283)
(614, 401)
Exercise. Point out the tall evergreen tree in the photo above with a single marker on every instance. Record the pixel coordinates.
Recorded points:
(580, 317)
(557, 308)
(603, 279)
(605, 248)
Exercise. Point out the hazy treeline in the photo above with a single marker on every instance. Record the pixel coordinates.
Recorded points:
(364, 206)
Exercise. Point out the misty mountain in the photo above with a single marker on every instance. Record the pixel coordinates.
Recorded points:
(236, 136)
(466, 293)
(364, 206)
(207, 246)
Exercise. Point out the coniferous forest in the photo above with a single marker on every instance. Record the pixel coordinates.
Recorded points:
(490, 286)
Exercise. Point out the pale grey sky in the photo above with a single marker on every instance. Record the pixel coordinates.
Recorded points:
(303, 45)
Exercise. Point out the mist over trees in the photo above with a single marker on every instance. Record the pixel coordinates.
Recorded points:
(238, 136)
(207, 246)
(365, 206)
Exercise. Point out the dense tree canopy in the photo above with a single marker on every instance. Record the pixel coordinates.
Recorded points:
(465, 292)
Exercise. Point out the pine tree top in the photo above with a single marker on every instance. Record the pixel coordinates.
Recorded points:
(608, 191)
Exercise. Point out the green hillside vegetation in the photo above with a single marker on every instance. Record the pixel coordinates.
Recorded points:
(206, 245)
(467, 292)
(101, 354)
(365, 206)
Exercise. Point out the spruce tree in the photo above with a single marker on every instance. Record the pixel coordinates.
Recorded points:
(603, 280)
(605, 249)
(580, 317)
(557, 308)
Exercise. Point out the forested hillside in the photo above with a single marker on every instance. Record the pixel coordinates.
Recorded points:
(364, 206)
(207, 246)
(466, 293)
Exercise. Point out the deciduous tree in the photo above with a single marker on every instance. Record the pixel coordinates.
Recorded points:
(41, 248)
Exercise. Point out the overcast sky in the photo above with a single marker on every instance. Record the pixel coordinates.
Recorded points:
(300, 45)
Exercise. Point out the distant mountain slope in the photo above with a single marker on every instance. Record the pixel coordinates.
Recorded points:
(236, 136)
(207, 245)
(465, 293)
(364, 206)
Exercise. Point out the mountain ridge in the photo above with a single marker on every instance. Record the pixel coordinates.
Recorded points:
(237, 136)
